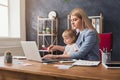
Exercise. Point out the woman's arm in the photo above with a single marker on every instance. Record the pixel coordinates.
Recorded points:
(51, 56)
(86, 44)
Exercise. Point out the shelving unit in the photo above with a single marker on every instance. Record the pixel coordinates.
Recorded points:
(97, 22)
(47, 32)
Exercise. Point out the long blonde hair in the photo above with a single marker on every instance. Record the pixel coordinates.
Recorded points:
(84, 17)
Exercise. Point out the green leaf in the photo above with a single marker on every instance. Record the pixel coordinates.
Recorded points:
(66, 0)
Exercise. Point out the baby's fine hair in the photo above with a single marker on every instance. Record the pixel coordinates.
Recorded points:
(69, 33)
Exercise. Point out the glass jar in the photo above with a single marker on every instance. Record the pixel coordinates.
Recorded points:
(44, 31)
(47, 30)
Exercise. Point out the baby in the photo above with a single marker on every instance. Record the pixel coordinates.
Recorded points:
(70, 37)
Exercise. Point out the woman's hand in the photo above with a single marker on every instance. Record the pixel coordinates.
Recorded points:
(50, 56)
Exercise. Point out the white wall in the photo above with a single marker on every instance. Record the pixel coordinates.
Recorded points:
(16, 51)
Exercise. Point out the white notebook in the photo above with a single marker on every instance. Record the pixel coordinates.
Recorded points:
(86, 63)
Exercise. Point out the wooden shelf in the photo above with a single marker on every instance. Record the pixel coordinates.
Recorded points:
(47, 32)
(45, 18)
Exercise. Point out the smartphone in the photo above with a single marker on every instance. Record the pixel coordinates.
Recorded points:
(113, 65)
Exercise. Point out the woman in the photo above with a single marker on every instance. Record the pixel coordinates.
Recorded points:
(87, 41)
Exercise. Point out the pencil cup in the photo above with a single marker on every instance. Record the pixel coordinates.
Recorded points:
(106, 57)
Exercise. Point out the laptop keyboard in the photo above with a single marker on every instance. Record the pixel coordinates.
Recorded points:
(54, 60)
(49, 60)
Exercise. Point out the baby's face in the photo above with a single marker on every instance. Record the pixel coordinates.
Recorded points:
(68, 40)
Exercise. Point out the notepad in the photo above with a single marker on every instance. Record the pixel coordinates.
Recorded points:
(86, 63)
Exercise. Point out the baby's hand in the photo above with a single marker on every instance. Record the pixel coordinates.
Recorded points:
(50, 47)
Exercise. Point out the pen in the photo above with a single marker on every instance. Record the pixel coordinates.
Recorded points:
(106, 50)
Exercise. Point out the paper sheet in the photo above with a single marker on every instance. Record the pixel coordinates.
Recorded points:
(63, 66)
(86, 63)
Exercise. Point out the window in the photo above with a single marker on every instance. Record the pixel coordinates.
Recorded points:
(12, 21)
(3, 18)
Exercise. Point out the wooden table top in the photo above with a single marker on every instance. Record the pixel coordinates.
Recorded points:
(76, 72)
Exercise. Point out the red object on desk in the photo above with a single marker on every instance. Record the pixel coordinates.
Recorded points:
(45, 48)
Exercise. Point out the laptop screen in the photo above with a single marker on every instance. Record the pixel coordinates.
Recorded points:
(31, 51)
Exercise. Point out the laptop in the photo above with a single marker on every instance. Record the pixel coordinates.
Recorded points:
(31, 52)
